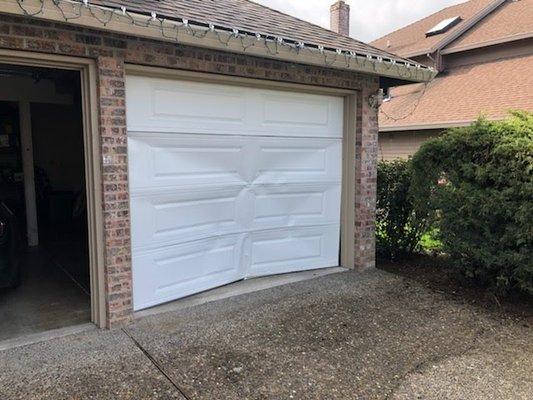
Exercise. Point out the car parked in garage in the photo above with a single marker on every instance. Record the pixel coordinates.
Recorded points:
(9, 245)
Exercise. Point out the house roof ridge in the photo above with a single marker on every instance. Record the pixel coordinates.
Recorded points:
(410, 41)
(419, 20)
(490, 30)
(481, 14)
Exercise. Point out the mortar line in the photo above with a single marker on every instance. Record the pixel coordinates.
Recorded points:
(156, 364)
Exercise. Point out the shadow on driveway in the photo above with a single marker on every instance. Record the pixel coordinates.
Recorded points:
(369, 335)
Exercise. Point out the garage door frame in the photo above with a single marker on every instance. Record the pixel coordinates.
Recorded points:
(347, 251)
(92, 159)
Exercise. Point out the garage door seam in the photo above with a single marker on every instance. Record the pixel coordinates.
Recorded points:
(156, 364)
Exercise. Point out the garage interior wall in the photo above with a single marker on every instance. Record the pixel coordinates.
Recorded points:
(64, 168)
(59, 160)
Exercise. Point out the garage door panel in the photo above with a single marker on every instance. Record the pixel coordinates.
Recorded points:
(184, 160)
(228, 182)
(181, 102)
(207, 108)
(293, 114)
(185, 269)
(293, 249)
(180, 215)
(294, 160)
(162, 105)
(171, 216)
(295, 205)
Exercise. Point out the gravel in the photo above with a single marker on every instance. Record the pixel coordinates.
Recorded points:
(368, 335)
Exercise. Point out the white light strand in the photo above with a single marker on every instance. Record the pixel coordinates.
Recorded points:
(170, 29)
(413, 109)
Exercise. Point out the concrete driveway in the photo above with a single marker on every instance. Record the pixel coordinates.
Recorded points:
(369, 335)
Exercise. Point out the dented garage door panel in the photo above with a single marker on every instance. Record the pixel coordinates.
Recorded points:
(229, 182)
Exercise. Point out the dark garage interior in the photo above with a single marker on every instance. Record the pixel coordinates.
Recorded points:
(44, 262)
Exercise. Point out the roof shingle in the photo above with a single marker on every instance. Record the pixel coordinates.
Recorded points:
(511, 19)
(411, 40)
(246, 15)
(462, 95)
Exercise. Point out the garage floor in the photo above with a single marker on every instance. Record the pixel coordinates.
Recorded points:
(46, 299)
(349, 335)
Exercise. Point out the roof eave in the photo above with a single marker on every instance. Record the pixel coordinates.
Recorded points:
(122, 24)
(487, 43)
(433, 125)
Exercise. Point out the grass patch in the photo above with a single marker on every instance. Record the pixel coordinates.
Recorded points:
(430, 241)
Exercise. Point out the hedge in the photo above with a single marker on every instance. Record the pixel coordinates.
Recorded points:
(398, 231)
(478, 180)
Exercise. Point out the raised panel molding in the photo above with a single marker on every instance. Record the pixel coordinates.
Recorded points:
(178, 106)
(229, 182)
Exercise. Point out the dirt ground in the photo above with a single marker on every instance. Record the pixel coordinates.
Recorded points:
(437, 274)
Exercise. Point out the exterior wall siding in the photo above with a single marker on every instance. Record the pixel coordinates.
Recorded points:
(111, 52)
(404, 144)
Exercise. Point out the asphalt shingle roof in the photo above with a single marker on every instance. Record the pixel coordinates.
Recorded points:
(411, 39)
(509, 20)
(248, 16)
(462, 94)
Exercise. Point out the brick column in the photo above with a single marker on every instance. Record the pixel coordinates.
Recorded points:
(366, 157)
(113, 134)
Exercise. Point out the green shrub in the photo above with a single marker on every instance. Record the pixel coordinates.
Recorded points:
(430, 241)
(398, 231)
(480, 179)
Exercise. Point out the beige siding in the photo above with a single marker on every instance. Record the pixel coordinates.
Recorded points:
(393, 145)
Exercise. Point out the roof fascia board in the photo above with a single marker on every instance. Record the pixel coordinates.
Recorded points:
(436, 125)
(124, 26)
(421, 127)
(507, 39)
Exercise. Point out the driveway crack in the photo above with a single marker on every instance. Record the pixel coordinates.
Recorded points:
(422, 365)
(156, 364)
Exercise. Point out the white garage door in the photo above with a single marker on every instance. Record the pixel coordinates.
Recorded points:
(229, 182)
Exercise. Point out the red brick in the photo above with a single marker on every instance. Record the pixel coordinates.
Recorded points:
(111, 52)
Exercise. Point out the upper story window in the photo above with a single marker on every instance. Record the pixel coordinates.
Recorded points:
(443, 26)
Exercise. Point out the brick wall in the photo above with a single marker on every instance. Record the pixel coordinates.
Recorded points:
(111, 51)
(366, 158)
(113, 136)
(340, 18)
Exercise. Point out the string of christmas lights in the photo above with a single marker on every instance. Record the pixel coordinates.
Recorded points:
(171, 29)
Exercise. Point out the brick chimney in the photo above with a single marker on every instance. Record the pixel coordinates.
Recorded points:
(340, 18)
